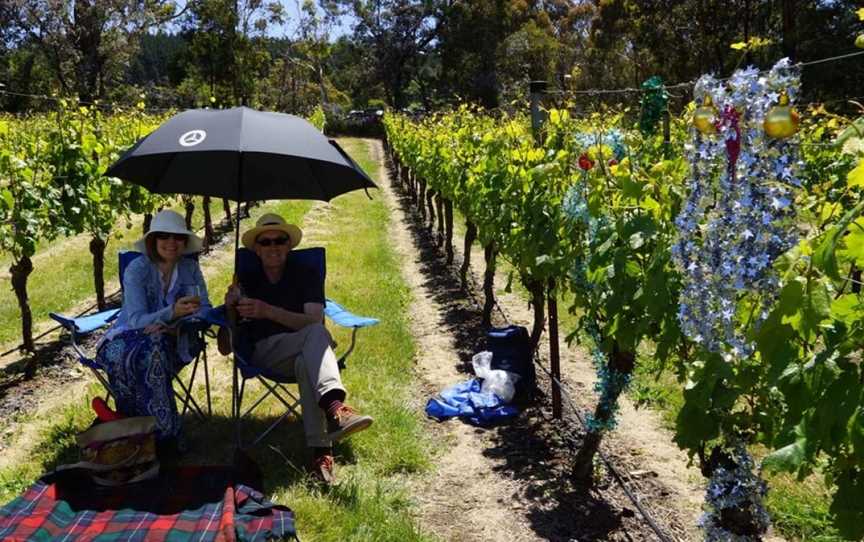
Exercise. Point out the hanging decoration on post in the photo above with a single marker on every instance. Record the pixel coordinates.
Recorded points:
(654, 103)
(737, 220)
(782, 120)
(705, 117)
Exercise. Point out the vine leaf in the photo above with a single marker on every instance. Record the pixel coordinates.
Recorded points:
(788, 458)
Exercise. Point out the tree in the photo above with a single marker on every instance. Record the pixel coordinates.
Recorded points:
(629, 41)
(395, 32)
(228, 47)
(88, 42)
(24, 216)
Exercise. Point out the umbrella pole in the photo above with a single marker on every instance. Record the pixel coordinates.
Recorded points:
(236, 397)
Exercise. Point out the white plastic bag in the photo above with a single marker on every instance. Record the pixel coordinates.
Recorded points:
(482, 362)
(501, 383)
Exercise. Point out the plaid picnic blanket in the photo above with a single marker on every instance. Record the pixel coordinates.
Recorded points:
(200, 503)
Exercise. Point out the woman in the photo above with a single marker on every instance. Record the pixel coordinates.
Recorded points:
(146, 346)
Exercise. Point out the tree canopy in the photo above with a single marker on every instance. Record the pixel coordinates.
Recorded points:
(289, 55)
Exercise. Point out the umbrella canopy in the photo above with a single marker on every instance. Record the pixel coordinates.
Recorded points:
(241, 154)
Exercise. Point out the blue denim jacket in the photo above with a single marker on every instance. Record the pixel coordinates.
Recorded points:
(143, 301)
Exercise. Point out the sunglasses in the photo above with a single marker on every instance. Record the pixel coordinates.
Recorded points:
(278, 241)
(162, 236)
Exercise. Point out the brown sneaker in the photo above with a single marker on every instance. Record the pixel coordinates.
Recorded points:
(321, 468)
(345, 421)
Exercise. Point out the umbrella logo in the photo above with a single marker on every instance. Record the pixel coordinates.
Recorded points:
(192, 138)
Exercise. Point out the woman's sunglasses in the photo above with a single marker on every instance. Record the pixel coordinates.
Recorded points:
(278, 241)
(162, 236)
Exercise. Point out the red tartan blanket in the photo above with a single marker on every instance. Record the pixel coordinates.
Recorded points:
(188, 503)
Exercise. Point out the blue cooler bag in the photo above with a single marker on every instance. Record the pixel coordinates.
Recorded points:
(511, 351)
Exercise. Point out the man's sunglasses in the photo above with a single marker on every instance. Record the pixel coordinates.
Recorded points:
(278, 241)
(162, 236)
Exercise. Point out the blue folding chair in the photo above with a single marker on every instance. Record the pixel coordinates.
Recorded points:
(84, 325)
(275, 385)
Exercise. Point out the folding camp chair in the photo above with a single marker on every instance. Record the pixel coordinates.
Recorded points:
(314, 258)
(84, 325)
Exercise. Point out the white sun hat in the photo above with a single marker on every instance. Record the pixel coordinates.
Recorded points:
(168, 221)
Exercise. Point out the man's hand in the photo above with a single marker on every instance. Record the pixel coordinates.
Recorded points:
(232, 296)
(249, 307)
(186, 306)
(223, 341)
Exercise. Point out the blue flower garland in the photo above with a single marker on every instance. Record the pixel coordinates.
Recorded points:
(610, 383)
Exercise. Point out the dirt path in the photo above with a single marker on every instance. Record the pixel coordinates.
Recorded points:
(464, 499)
(510, 482)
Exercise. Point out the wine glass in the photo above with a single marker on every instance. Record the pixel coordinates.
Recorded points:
(242, 295)
(193, 291)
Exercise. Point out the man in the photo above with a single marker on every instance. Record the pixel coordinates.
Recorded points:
(282, 307)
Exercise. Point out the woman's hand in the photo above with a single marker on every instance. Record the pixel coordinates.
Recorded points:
(186, 306)
(253, 308)
(154, 329)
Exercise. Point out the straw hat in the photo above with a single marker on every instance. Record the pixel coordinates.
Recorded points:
(167, 221)
(272, 222)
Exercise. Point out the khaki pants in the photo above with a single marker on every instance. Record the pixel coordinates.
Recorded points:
(306, 356)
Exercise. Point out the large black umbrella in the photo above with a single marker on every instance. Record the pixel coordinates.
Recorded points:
(241, 154)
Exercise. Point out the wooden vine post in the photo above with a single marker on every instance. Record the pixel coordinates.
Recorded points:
(537, 89)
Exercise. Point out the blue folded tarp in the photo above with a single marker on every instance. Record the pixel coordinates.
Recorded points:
(466, 401)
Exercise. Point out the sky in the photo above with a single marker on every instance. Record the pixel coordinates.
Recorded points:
(289, 28)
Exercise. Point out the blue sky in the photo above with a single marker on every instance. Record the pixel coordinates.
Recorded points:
(289, 28)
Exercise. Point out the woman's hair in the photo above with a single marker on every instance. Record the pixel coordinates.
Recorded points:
(152, 253)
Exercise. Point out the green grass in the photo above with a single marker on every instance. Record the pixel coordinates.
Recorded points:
(371, 500)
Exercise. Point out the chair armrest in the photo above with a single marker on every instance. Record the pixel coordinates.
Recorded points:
(342, 317)
(83, 325)
(215, 316)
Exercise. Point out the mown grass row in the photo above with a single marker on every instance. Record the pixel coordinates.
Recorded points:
(371, 501)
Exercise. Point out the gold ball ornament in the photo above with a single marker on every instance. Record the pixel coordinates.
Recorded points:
(781, 121)
(859, 41)
(705, 116)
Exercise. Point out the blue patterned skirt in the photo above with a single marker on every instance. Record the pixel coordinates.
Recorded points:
(140, 369)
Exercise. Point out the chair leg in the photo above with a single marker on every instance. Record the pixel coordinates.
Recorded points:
(272, 426)
(190, 386)
(207, 384)
(258, 402)
(104, 381)
(272, 389)
(188, 397)
(236, 396)
(341, 361)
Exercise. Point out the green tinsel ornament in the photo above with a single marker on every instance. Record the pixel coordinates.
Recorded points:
(654, 101)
